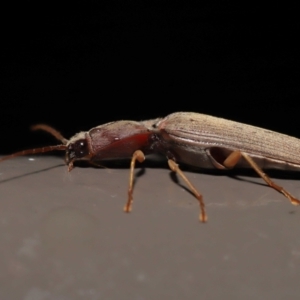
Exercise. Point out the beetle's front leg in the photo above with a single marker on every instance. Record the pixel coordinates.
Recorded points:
(233, 159)
(70, 165)
(137, 155)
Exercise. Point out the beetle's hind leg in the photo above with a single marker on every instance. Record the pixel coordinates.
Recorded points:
(233, 159)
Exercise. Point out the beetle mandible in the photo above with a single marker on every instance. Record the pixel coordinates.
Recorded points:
(194, 139)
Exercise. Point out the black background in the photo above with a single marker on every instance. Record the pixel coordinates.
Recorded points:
(93, 62)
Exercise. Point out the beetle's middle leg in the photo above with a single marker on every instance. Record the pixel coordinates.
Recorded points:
(233, 159)
(175, 168)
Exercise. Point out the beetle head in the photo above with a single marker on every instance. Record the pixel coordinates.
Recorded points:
(77, 148)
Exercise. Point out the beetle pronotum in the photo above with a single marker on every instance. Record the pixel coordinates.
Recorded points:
(194, 139)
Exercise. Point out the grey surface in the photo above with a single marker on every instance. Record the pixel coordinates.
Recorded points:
(64, 236)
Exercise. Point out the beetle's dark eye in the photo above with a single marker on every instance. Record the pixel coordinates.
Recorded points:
(78, 149)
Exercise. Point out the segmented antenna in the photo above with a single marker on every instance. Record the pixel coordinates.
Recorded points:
(48, 129)
(34, 151)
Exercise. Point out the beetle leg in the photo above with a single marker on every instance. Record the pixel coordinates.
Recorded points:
(175, 168)
(269, 181)
(137, 155)
(70, 166)
(233, 159)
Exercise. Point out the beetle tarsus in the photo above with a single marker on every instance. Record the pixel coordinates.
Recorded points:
(203, 217)
(70, 166)
(128, 205)
(293, 200)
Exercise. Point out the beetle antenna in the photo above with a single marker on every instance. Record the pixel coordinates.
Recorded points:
(34, 151)
(50, 130)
